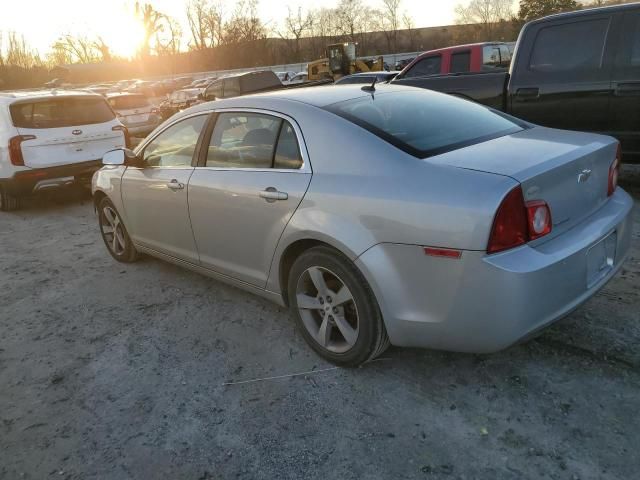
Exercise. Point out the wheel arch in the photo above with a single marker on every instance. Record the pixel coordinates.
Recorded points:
(296, 248)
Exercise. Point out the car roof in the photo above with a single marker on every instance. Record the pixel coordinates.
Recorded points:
(10, 96)
(318, 96)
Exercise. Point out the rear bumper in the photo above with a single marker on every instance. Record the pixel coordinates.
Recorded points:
(484, 303)
(25, 182)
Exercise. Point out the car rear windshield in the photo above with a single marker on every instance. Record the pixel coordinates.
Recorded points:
(425, 123)
(127, 102)
(61, 112)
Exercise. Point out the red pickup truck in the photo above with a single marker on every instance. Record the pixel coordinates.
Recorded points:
(476, 57)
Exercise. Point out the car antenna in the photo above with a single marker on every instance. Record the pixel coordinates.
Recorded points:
(372, 87)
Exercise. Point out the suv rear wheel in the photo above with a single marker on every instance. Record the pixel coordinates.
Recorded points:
(8, 202)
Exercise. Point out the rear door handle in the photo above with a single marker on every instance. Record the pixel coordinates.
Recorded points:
(627, 89)
(271, 194)
(175, 185)
(527, 93)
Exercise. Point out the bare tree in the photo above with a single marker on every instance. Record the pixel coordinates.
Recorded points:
(76, 49)
(486, 13)
(348, 18)
(244, 25)
(168, 41)
(197, 11)
(410, 28)
(19, 53)
(391, 22)
(151, 23)
(296, 25)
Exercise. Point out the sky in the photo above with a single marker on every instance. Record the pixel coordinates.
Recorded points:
(43, 21)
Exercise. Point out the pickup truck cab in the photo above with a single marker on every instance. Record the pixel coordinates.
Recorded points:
(574, 71)
(476, 57)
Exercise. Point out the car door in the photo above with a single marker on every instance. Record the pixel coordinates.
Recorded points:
(625, 102)
(155, 196)
(565, 81)
(247, 185)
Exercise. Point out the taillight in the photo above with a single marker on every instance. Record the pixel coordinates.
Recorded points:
(517, 222)
(125, 131)
(510, 224)
(15, 149)
(539, 217)
(614, 171)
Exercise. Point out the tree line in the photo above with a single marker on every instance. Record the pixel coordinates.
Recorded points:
(220, 36)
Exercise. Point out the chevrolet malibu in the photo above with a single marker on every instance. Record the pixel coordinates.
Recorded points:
(379, 214)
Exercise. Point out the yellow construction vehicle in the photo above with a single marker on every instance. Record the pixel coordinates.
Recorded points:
(342, 60)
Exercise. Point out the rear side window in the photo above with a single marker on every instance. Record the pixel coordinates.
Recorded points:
(426, 66)
(570, 46)
(61, 112)
(128, 102)
(253, 140)
(231, 87)
(425, 123)
(460, 62)
(495, 56)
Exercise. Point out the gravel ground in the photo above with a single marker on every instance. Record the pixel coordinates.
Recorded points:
(117, 371)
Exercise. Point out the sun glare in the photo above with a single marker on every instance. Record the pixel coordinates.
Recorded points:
(126, 36)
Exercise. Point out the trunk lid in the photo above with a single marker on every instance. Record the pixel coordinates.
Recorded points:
(568, 170)
(67, 130)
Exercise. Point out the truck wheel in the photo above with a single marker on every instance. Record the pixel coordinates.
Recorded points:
(335, 309)
(8, 202)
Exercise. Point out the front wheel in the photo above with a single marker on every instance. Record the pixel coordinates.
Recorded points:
(335, 308)
(114, 234)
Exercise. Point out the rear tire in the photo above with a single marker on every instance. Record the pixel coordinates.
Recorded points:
(8, 202)
(335, 309)
(114, 234)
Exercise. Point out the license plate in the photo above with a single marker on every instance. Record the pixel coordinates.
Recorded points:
(136, 118)
(601, 258)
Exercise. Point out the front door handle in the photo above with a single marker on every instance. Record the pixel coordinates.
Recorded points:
(271, 194)
(524, 94)
(627, 89)
(175, 185)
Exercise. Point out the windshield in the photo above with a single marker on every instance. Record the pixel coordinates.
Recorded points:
(424, 123)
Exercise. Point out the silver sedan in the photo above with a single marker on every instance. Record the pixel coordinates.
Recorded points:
(378, 214)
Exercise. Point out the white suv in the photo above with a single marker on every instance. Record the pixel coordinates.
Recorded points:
(52, 138)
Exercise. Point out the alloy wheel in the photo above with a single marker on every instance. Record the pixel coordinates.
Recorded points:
(327, 309)
(112, 230)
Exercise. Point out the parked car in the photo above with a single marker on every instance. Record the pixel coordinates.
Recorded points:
(144, 87)
(285, 77)
(179, 100)
(298, 78)
(575, 71)
(366, 77)
(136, 112)
(51, 139)
(477, 57)
(242, 84)
(397, 215)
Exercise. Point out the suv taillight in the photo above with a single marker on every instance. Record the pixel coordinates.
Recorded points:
(15, 149)
(125, 131)
(614, 171)
(517, 222)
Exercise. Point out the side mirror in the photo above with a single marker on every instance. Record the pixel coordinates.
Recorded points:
(121, 156)
(114, 157)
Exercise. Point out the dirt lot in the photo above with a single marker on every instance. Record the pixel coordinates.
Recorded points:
(115, 372)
